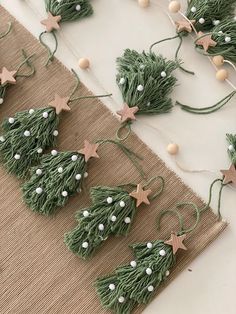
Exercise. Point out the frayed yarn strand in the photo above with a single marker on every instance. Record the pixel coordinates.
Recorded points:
(9, 28)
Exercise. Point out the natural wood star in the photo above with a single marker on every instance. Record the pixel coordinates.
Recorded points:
(51, 22)
(183, 25)
(176, 242)
(7, 76)
(89, 150)
(60, 104)
(229, 175)
(127, 113)
(206, 42)
(141, 195)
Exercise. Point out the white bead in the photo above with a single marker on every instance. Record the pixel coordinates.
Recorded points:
(1, 101)
(133, 264)
(127, 220)
(55, 133)
(60, 169)
(216, 22)
(2, 139)
(231, 148)
(234, 18)
(74, 158)
(220, 32)
(201, 20)
(27, 133)
(54, 152)
(17, 156)
(85, 213)
(149, 245)
(167, 273)
(39, 150)
(150, 288)
(113, 218)
(148, 271)
(31, 111)
(142, 66)
(39, 190)
(122, 81)
(109, 200)
(112, 286)
(163, 74)
(78, 177)
(45, 115)
(122, 204)
(227, 39)
(162, 253)
(85, 245)
(11, 120)
(193, 9)
(148, 104)
(140, 88)
(85, 174)
(39, 172)
(78, 7)
(64, 193)
(101, 227)
(121, 299)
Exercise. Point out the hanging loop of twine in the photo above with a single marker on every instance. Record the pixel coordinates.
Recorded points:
(7, 31)
(50, 52)
(160, 190)
(124, 126)
(26, 61)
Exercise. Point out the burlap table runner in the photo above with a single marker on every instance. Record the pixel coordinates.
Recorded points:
(37, 272)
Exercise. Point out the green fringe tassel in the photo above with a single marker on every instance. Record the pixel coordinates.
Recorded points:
(58, 178)
(210, 11)
(105, 218)
(231, 138)
(136, 283)
(153, 73)
(25, 137)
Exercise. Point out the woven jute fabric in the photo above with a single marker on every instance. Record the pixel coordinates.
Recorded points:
(37, 272)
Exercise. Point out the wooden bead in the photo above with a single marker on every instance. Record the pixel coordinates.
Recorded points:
(172, 149)
(84, 63)
(144, 3)
(174, 6)
(222, 75)
(218, 60)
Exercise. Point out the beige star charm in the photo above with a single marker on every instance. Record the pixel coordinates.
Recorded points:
(141, 195)
(7, 76)
(184, 25)
(127, 113)
(229, 175)
(206, 42)
(89, 150)
(60, 104)
(51, 22)
(176, 242)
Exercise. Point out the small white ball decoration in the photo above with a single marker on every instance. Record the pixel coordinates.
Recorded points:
(17, 156)
(220, 32)
(85, 213)
(140, 88)
(122, 81)
(201, 20)
(162, 253)
(163, 74)
(231, 148)
(127, 220)
(121, 299)
(85, 245)
(109, 200)
(148, 104)
(142, 66)
(101, 227)
(78, 176)
(144, 3)
(55, 133)
(149, 245)
(27, 133)
(85, 174)
(78, 7)
(84, 63)
(172, 149)
(193, 9)
(11, 120)
(227, 39)
(74, 157)
(39, 190)
(112, 286)
(150, 288)
(2, 139)
(39, 150)
(60, 169)
(122, 204)
(216, 22)
(174, 6)
(133, 264)
(167, 273)
(45, 114)
(1, 101)
(54, 152)
(31, 111)
(113, 218)
(39, 172)
(148, 271)
(64, 193)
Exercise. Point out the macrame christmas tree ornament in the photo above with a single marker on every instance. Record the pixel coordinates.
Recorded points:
(60, 12)
(29, 133)
(4, 34)
(112, 213)
(9, 77)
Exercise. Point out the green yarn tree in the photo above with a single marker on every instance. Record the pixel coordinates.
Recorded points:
(146, 81)
(209, 13)
(231, 139)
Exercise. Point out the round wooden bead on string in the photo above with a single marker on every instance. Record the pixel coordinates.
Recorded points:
(172, 149)
(144, 3)
(222, 75)
(84, 63)
(218, 60)
(174, 6)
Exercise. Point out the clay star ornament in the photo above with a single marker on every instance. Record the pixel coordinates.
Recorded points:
(184, 25)
(206, 42)
(141, 195)
(51, 22)
(176, 242)
(89, 150)
(60, 104)
(7, 77)
(229, 175)
(127, 113)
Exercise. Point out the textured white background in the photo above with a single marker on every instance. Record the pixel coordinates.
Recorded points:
(119, 24)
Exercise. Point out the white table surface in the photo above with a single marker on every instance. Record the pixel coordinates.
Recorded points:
(119, 24)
